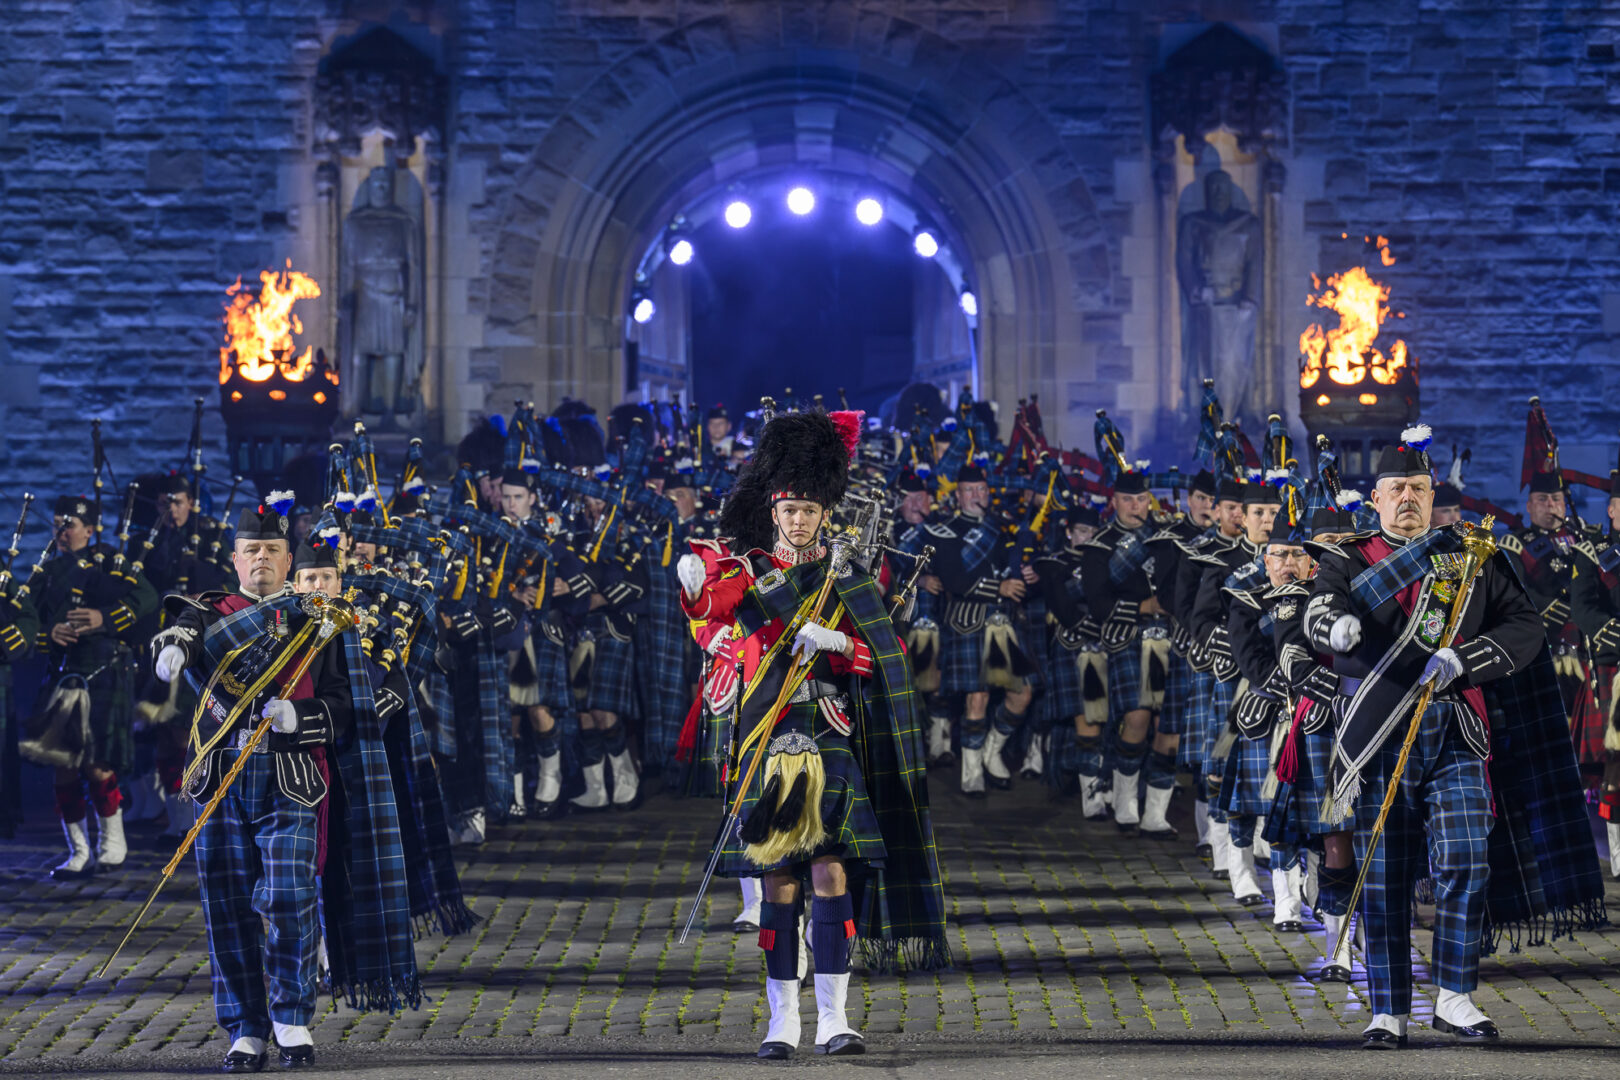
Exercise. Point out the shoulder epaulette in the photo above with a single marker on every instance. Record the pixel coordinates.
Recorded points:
(1511, 543)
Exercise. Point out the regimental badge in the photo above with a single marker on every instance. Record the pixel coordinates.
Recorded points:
(771, 581)
(1434, 623)
(1286, 610)
(1447, 567)
(1445, 591)
(1558, 566)
(1147, 566)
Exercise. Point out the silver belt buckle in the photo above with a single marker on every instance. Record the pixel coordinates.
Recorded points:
(242, 738)
(998, 618)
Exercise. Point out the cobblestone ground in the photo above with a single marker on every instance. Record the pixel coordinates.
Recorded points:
(1066, 936)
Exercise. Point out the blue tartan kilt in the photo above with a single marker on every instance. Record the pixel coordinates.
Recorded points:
(961, 661)
(1124, 681)
(1310, 785)
(852, 826)
(551, 671)
(1177, 695)
(1252, 759)
(1063, 699)
(1204, 718)
(612, 687)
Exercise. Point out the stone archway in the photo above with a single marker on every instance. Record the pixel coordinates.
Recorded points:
(695, 110)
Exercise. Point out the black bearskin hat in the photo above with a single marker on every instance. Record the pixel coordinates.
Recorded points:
(803, 455)
(484, 448)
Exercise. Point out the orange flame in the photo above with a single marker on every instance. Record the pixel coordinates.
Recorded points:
(259, 332)
(1346, 352)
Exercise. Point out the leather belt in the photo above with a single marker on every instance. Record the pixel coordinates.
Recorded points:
(813, 690)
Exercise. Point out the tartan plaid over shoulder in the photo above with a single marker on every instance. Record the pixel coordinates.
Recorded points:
(902, 907)
(365, 913)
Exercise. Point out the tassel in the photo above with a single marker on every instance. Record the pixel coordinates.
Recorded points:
(580, 663)
(756, 827)
(1094, 687)
(922, 644)
(787, 815)
(669, 542)
(1279, 738)
(1000, 650)
(1155, 666)
(1288, 759)
(522, 681)
(789, 807)
(60, 734)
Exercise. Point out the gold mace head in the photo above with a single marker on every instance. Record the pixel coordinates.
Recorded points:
(336, 614)
(1479, 542)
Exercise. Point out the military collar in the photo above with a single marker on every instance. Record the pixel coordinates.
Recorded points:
(1396, 541)
(285, 590)
(789, 555)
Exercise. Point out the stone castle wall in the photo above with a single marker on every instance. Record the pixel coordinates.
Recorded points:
(149, 154)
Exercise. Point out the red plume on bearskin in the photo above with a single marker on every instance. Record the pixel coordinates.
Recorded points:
(848, 422)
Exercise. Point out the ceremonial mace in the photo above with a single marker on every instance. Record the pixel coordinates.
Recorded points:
(1478, 547)
(842, 546)
(335, 617)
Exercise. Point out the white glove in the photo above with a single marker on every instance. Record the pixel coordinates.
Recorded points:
(816, 638)
(282, 715)
(170, 660)
(1443, 667)
(690, 570)
(1346, 633)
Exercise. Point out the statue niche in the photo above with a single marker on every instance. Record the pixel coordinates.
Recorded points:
(381, 296)
(1219, 267)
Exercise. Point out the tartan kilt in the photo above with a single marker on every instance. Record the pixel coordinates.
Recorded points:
(112, 708)
(853, 832)
(961, 661)
(1252, 757)
(551, 671)
(1177, 696)
(1063, 700)
(612, 686)
(1124, 681)
(1204, 718)
(1310, 784)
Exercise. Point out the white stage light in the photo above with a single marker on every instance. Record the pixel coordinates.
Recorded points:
(739, 214)
(925, 244)
(868, 211)
(680, 253)
(644, 310)
(970, 305)
(801, 200)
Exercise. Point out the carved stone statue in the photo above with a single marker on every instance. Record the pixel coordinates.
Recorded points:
(382, 279)
(1218, 265)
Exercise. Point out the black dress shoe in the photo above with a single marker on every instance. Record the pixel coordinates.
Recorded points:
(1126, 830)
(1380, 1039)
(1203, 851)
(744, 926)
(1482, 1031)
(238, 1062)
(1166, 833)
(549, 811)
(1289, 926)
(1252, 901)
(775, 1051)
(998, 783)
(974, 794)
(1334, 973)
(1221, 875)
(842, 1045)
(297, 1057)
(1101, 815)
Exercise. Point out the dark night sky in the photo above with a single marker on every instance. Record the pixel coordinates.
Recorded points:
(813, 303)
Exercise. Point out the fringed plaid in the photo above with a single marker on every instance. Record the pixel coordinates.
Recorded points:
(666, 656)
(366, 914)
(435, 887)
(1544, 876)
(1130, 554)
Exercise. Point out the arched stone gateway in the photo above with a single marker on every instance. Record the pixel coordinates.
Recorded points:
(696, 111)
